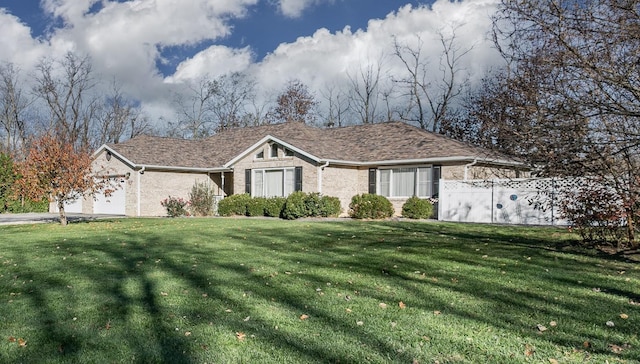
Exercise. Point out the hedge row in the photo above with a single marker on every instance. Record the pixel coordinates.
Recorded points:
(300, 204)
(296, 205)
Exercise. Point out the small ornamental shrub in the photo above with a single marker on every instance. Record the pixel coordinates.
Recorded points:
(416, 208)
(255, 206)
(294, 206)
(370, 206)
(234, 205)
(175, 206)
(202, 199)
(330, 206)
(273, 206)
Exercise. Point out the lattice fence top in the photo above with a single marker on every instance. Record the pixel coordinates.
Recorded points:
(523, 184)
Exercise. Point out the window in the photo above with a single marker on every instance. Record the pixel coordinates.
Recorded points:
(260, 155)
(288, 152)
(405, 182)
(273, 151)
(273, 182)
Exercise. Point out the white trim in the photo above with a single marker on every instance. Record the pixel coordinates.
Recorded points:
(265, 140)
(425, 160)
(285, 171)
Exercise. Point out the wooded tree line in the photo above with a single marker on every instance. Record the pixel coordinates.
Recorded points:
(566, 99)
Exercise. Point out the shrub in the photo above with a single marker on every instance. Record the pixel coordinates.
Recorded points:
(369, 206)
(255, 206)
(416, 208)
(295, 207)
(273, 206)
(234, 205)
(202, 199)
(312, 204)
(16, 206)
(175, 206)
(330, 206)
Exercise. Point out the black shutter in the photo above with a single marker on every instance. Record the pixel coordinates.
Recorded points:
(372, 181)
(435, 187)
(435, 180)
(247, 181)
(298, 179)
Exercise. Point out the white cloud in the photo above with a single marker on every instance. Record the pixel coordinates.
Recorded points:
(16, 43)
(326, 57)
(214, 61)
(295, 8)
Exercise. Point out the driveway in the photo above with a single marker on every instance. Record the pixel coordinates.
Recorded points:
(39, 218)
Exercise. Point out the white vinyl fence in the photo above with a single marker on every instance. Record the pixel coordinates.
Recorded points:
(504, 201)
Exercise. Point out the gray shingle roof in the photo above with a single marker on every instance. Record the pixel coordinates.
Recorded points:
(391, 141)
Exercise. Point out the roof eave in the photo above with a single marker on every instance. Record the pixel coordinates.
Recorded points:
(503, 162)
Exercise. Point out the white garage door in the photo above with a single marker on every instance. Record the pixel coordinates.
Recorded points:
(114, 204)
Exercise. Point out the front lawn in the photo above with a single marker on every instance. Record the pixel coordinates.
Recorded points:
(272, 291)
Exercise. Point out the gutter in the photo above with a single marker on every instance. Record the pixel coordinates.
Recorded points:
(322, 167)
(467, 166)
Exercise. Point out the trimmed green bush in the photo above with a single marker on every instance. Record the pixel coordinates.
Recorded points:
(312, 204)
(295, 206)
(416, 208)
(234, 205)
(370, 206)
(330, 206)
(255, 206)
(273, 206)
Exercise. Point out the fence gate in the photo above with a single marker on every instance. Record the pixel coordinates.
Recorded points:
(504, 201)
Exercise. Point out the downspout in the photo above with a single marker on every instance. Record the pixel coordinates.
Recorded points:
(467, 166)
(320, 176)
(140, 172)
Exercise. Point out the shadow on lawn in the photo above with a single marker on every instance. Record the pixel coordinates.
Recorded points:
(128, 307)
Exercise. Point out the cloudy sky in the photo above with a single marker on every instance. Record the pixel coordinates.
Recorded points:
(152, 46)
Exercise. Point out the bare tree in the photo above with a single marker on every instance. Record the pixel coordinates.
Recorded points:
(233, 94)
(66, 86)
(195, 109)
(120, 117)
(12, 108)
(365, 95)
(431, 97)
(337, 103)
(578, 60)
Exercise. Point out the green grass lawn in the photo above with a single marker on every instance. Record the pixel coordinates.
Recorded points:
(272, 291)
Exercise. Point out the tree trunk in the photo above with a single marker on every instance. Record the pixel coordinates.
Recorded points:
(63, 215)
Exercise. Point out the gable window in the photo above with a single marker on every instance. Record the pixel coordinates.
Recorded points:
(275, 182)
(405, 182)
(273, 151)
(260, 155)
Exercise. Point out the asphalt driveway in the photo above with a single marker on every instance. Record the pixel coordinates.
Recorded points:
(39, 218)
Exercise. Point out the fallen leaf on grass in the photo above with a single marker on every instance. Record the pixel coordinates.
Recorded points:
(437, 313)
(553, 324)
(240, 336)
(529, 350)
(402, 305)
(586, 344)
(187, 333)
(382, 305)
(164, 294)
(304, 317)
(360, 323)
(610, 324)
(541, 328)
(22, 342)
(553, 361)
(108, 325)
(12, 339)
(624, 316)
(617, 349)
